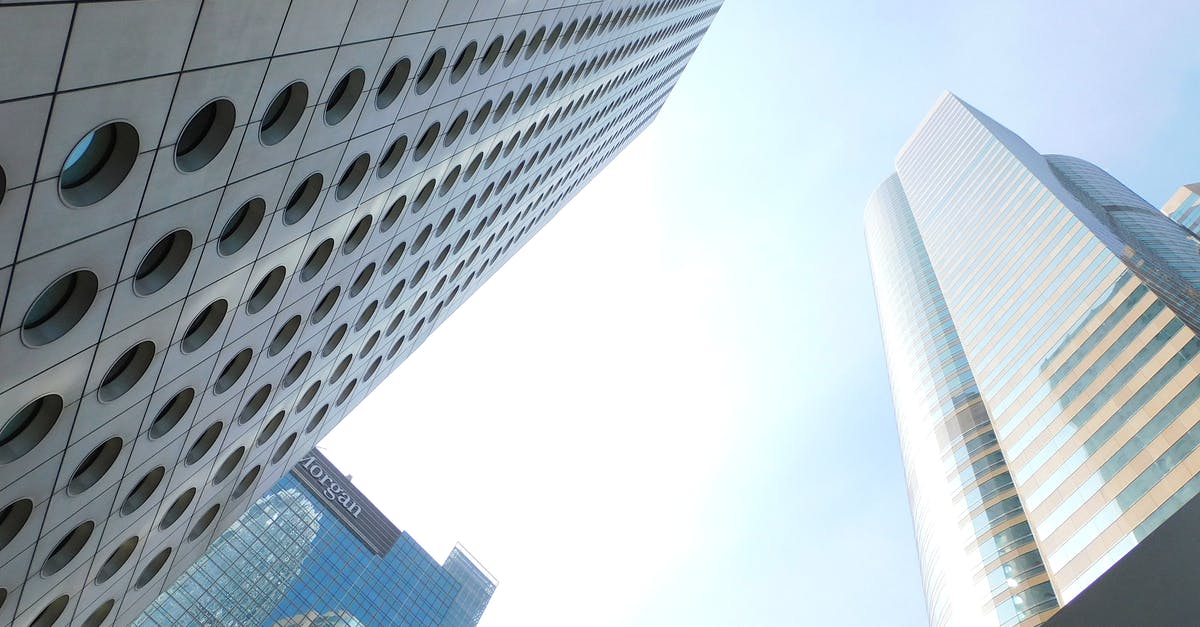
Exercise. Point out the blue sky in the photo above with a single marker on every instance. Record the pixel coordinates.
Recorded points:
(671, 407)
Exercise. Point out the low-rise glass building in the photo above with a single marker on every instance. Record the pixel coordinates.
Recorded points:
(315, 552)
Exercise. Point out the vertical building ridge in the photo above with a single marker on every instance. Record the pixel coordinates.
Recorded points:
(989, 570)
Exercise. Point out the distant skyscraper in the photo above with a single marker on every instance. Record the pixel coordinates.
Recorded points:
(1040, 322)
(315, 552)
(224, 222)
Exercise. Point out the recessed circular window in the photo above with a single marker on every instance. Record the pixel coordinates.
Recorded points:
(126, 371)
(501, 111)
(395, 324)
(522, 98)
(94, 466)
(283, 449)
(316, 261)
(269, 431)
(51, 613)
(266, 290)
(67, 548)
(357, 235)
(346, 392)
(12, 520)
(204, 443)
(241, 226)
(334, 340)
(424, 195)
(308, 396)
(162, 263)
(427, 141)
(365, 317)
(317, 419)
(373, 368)
(491, 55)
(284, 336)
(535, 42)
(394, 258)
(204, 522)
(481, 117)
(205, 135)
(344, 96)
(396, 347)
(353, 176)
(59, 308)
(325, 305)
(297, 370)
(153, 568)
(29, 426)
(449, 181)
(422, 237)
(463, 64)
(430, 71)
(141, 492)
(493, 156)
(392, 156)
(233, 371)
(396, 290)
(247, 482)
(171, 412)
(98, 164)
(553, 38)
(473, 167)
(177, 508)
(229, 465)
(393, 83)
(369, 346)
(393, 214)
(514, 49)
(283, 114)
(118, 558)
(437, 263)
(341, 368)
(100, 614)
(203, 326)
(254, 404)
(303, 199)
(362, 280)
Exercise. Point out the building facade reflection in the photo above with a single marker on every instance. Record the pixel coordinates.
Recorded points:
(1040, 322)
(315, 552)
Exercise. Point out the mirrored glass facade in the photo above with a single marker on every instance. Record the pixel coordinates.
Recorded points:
(1063, 306)
(302, 558)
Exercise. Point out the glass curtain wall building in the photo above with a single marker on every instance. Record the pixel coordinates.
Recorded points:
(1039, 320)
(315, 552)
(219, 235)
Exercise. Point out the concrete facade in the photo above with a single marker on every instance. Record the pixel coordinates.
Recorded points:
(222, 223)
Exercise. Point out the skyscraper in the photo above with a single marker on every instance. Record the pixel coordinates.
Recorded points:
(222, 223)
(315, 551)
(1040, 324)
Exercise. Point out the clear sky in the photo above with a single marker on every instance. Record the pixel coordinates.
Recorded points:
(671, 407)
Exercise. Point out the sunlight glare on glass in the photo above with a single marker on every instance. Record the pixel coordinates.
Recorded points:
(79, 150)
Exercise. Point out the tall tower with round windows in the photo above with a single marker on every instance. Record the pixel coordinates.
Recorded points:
(223, 223)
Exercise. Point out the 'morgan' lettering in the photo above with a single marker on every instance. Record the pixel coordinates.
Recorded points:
(333, 491)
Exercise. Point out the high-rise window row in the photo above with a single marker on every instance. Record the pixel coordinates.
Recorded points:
(222, 224)
(1040, 324)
